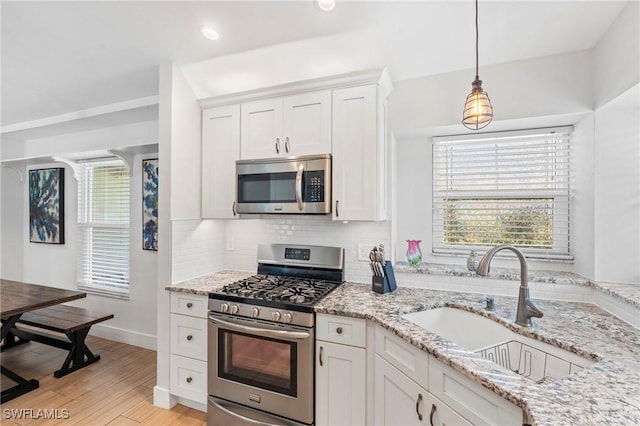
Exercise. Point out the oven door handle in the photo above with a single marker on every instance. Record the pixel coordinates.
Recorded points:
(299, 186)
(294, 335)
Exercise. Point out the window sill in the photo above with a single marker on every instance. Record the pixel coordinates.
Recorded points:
(100, 291)
(555, 277)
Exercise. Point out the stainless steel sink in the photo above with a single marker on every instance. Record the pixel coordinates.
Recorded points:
(528, 357)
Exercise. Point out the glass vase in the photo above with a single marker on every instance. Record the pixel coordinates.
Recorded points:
(414, 254)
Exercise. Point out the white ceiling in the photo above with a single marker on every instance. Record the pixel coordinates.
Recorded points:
(63, 57)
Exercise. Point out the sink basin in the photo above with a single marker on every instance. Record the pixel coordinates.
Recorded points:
(538, 361)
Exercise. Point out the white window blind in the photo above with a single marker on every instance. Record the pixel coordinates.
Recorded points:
(503, 188)
(103, 223)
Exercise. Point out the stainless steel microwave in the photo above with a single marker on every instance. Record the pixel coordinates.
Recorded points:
(294, 185)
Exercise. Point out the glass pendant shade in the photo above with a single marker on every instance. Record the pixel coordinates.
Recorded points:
(478, 111)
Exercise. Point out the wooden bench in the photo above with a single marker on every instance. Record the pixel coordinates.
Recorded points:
(69, 320)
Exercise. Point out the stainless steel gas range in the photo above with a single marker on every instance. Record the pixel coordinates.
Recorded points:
(261, 337)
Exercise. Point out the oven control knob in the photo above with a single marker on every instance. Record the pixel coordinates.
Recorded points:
(224, 307)
(287, 317)
(255, 312)
(275, 315)
(234, 309)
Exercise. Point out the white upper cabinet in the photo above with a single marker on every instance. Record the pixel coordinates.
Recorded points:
(359, 154)
(286, 126)
(220, 150)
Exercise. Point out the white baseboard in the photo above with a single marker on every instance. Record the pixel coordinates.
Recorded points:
(162, 398)
(121, 335)
(192, 404)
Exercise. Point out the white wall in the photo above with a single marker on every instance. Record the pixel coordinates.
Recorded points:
(617, 56)
(13, 222)
(617, 189)
(188, 247)
(540, 87)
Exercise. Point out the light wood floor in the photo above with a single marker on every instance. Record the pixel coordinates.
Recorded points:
(117, 390)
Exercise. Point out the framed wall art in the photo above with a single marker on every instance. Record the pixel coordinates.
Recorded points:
(46, 205)
(150, 204)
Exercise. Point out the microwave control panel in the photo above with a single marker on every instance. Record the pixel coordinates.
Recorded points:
(314, 187)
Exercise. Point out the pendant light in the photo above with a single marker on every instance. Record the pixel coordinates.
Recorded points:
(478, 111)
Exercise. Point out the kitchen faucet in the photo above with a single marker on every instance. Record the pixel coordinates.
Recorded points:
(526, 308)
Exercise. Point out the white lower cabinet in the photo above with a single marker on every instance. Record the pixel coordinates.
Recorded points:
(188, 362)
(410, 387)
(340, 371)
(401, 401)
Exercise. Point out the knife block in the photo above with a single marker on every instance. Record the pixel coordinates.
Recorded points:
(384, 284)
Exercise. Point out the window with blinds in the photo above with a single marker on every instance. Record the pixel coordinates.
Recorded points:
(503, 188)
(103, 223)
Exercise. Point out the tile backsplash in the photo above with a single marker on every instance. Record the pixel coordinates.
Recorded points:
(242, 238)
(197, 248)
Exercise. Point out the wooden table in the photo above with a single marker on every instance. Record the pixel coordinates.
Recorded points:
(17, 298)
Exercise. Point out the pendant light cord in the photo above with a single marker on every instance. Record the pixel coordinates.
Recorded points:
(476, 39)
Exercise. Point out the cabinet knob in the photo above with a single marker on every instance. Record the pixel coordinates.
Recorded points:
(277, 145)
(321, 350)
(189, 305)
(233, 209)
(189, 379)
(339, 330)
(433, 412)
(286, 144)
(337, 213)
(189, 337)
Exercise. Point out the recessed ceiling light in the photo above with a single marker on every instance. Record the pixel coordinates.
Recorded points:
(209, 33)
(326, 5)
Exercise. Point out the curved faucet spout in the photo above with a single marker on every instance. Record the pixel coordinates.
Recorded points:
(526, 308)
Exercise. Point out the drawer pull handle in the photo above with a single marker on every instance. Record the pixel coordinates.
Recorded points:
(433, 412)
(339, 330)
(418, 401)
(189, 379)
(189, 305)
(321, 349)
(189, 337)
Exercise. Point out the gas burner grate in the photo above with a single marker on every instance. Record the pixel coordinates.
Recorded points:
(281, 289)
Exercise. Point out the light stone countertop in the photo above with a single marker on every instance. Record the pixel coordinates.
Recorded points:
(605, 393)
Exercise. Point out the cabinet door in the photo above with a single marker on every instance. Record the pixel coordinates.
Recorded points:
(307, 124)
(220, 150)
(340, 384)
(355, 154)
(261, 129)
(397, 399)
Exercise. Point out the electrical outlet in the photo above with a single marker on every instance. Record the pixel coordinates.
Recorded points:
(231, 245)
(363, 251)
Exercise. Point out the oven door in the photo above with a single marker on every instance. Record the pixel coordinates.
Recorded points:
(262, 365)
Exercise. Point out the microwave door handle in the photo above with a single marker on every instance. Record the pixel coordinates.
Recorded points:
(295, 335)
(299, 187)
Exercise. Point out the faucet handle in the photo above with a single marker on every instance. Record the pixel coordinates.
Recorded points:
(490, 306)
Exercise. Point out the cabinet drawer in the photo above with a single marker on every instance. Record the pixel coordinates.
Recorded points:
(189, 304)
(189, 336)
(403, 355)
(343, 330)
(188, 378)
(471, 400)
